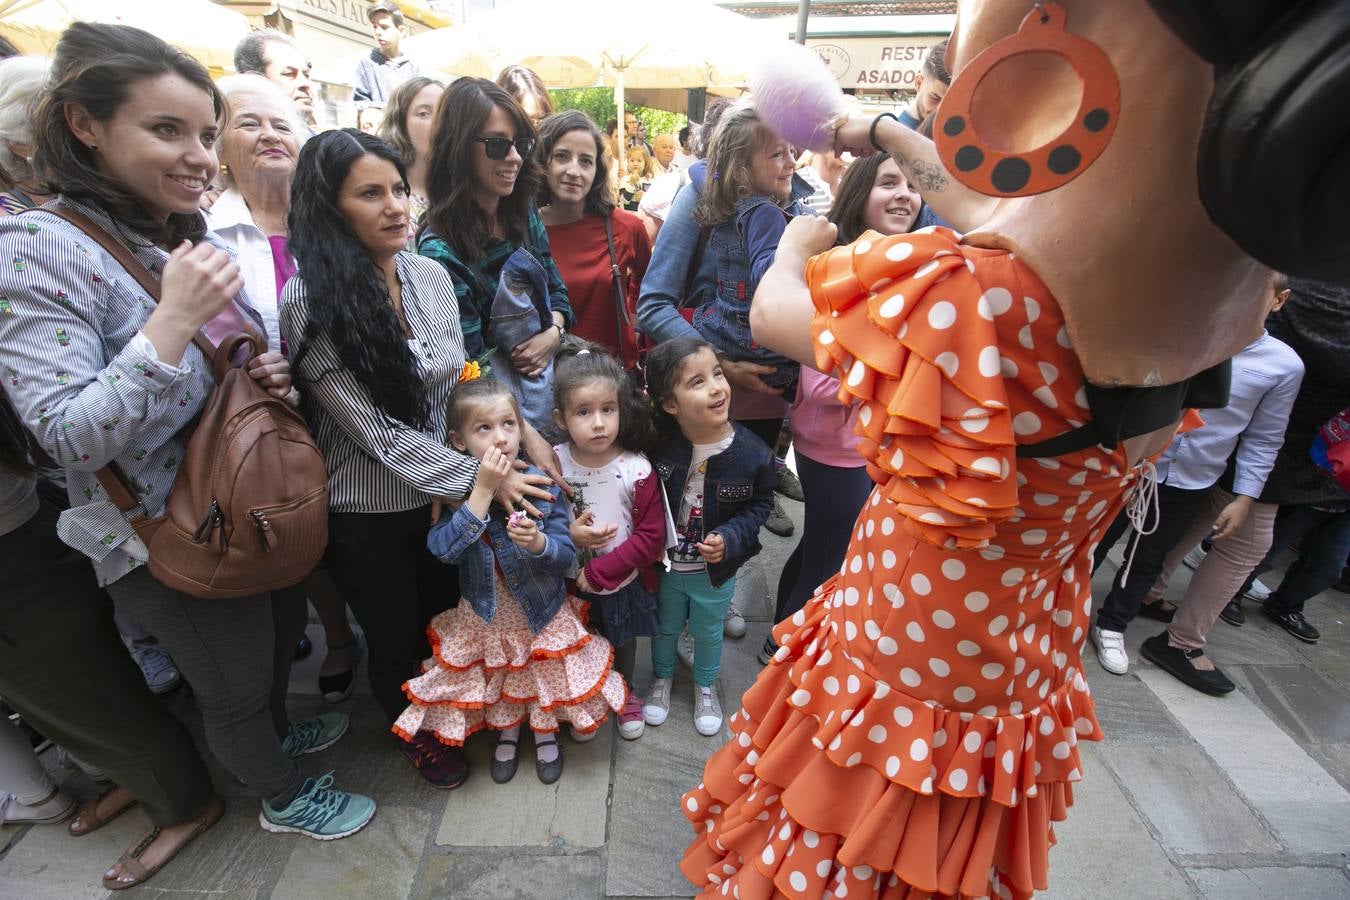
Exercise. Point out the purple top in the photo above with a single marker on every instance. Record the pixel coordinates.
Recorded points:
(282, 263)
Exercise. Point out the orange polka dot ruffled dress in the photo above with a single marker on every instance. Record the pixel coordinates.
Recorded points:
(917, 732)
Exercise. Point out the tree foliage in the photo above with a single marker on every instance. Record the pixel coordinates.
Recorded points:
(598, 103)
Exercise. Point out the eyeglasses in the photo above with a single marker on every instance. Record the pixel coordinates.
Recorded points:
(497, 147)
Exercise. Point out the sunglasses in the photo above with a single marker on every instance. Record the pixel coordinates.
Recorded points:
(497, 147)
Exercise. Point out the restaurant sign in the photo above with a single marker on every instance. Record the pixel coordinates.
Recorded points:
(874, 63)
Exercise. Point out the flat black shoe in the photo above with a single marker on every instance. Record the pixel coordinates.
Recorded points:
(338, 686)
(303, 648)
(1294, 623)
(1161, 611)
(1233, 614)
(549, 772)
(1178, 663)
(504, 770)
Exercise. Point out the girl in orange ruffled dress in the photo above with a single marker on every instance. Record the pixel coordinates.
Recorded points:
(515, 648)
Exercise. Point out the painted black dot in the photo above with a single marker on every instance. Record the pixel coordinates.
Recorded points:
(1010, 174)
(1064, 159)
(969, 158)
(954, 126)
(1096, 119)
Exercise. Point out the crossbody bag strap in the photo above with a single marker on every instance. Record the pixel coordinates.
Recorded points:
(120, 489)
(621, 318)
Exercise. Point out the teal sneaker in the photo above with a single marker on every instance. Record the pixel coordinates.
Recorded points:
(319, 812)
(313, 735)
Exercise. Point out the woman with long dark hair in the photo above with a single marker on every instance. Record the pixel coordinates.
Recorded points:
(376, 345)
(481, 187)
(589, 234)
(126, 137)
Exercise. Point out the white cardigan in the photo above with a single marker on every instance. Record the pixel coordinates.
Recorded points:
(231, 220)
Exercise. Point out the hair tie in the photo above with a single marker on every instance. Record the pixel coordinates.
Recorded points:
(717, 176)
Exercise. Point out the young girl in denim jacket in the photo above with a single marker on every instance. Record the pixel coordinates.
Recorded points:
(719, 481)
(515, 648)
(742, 203)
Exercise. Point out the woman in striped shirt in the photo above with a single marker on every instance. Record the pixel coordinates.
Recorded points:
(376, 345)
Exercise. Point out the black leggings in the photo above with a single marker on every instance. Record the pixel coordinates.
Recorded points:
(394, 587)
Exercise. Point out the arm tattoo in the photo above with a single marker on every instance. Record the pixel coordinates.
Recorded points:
(927, 177)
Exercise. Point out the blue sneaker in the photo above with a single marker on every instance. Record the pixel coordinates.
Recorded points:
(319, 812)
(313, 735)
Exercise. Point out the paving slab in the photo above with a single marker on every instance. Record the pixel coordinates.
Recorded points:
(1259, 642)
(525, 812)
(1309, 706)
(1307, 808)
(647, 832)
(1335, 758)
(1263, 883)
(740, 665)
(1128, 712)
(1104, 847)
(379, 861)
(1192, 807)
(513, 876)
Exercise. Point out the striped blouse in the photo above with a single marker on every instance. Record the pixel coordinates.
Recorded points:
(375, 463)
(85, 381)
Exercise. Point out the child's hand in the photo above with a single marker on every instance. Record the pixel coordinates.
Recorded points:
(493, 469)
(525, 534)
(713, 549)
(588, 535)
(583, 584)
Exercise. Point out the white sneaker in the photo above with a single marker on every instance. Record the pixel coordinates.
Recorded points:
(583, 737)
(733, 624)
(1195, 557)
(161, 675)
(684, 650)
(1111, 650)
(1258, 591)
(657, 706)
(707, 711)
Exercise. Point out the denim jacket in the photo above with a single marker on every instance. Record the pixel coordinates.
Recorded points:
(742, 479)
(744, 247)
(535, 581)
(663, 286)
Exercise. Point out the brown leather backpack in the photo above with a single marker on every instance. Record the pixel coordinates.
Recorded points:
(248, 511)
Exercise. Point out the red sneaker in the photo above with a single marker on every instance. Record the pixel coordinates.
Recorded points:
(631, 723)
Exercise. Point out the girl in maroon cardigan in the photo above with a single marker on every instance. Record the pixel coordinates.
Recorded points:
(620, 528)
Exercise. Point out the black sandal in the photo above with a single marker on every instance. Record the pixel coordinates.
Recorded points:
(503, 770)
(336, 688)
(548, 772)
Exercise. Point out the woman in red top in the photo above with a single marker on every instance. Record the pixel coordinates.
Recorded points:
(589, 235)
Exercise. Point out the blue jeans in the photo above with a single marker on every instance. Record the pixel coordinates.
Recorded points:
(690, 596)
(1325, 540)
(834, 497)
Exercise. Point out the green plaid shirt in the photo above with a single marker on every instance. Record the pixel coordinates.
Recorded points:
(476, 280)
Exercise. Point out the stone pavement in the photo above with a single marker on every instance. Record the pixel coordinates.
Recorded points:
(1246, 796)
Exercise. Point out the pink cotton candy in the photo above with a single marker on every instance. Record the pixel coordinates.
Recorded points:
(797, 96)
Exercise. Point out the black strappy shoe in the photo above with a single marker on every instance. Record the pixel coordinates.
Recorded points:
(549, 772)
(503, 770)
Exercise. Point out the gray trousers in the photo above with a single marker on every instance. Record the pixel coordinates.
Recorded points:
(237, 655)
(63, 667)
(21, 774)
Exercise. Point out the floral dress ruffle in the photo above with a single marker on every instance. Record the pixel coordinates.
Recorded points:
(917, 732)
(501, 674)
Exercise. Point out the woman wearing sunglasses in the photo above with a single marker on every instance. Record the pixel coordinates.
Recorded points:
(481, 187)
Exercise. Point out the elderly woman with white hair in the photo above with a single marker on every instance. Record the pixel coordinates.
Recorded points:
(21, 80)
(258, 147)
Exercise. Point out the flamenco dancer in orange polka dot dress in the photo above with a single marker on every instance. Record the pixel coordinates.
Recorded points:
(918, 731)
